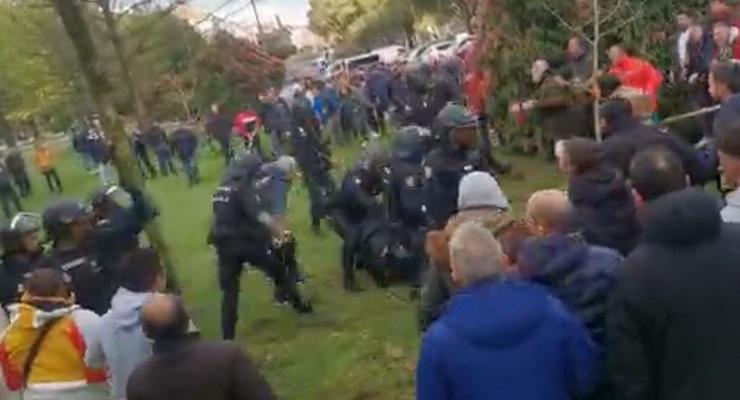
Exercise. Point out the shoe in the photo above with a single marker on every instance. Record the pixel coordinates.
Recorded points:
(301, 278)
(281, 299)
(303, 307)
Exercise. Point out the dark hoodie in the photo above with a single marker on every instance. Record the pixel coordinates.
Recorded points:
(604, 210)
(673, 322)
(579, 275)
(507, 340)
(627, 136)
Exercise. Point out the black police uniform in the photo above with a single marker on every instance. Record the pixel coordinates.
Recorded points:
(79, 263)
(314, 160)
(117, 233)
(352, 207)
(17, 264)
(240, 237)
(444, 169)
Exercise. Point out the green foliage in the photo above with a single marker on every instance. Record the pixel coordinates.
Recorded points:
(521, 31)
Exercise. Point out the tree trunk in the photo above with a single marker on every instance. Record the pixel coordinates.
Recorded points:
(115, 38)
(595, 72)
(100, 89)
(6, 131)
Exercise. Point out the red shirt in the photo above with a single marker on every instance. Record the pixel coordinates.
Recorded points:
(639, 74)
(247, 123)
(477, 81)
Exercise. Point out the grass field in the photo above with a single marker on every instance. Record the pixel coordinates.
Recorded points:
(355, 347)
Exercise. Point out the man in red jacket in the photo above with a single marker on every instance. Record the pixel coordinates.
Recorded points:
(635, 73)
(248, 124)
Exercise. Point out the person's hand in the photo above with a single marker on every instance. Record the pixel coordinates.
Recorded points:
(693, 78)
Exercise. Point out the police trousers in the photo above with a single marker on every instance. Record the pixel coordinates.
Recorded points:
(278, 264)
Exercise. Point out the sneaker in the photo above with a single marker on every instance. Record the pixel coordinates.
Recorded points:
(304, 307)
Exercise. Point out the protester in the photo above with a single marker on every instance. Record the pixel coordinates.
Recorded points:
(579, 275)
(635, 72)
(120, 343)
(46, 163)
(156, 138)
(501, 338)
(673, 330)
(17, 167)
(655, 172)
(579, 61)
(724, 44)
(625, 135)
(219, 127)
(185, 142)
(138, 144)
(603, 208)
(724, 85)
(42, 351)
(480, 200)
(728, 146)
(185, 368)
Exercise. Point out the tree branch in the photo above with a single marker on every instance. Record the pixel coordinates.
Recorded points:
(565, 23)
(624, 23)
(613, 12)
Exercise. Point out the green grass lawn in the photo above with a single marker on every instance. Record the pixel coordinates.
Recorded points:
(359, 346)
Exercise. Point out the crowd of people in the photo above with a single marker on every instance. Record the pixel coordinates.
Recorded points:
(622, 286)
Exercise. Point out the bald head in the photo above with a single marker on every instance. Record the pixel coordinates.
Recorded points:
(474, 254)
(165, 317)
(549, 210)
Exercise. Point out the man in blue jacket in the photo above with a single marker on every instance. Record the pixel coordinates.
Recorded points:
(501, 339)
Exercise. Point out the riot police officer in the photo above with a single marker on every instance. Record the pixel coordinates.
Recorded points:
(244, 232)
(314, 161)
(405, 189)
(21, 251)
(69, 226)
(119, 216)
(455, 156)
(356, 203)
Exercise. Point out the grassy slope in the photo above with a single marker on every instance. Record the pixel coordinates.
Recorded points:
(360, 346)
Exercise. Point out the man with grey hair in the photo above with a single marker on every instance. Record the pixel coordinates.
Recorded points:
(501, 337)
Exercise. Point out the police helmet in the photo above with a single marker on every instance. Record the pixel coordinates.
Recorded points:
(454, 116)
(246, 167)
(409, 145)
(110, 193)
(11, 237)
(57, 218)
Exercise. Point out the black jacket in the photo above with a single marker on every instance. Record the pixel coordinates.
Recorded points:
(15, 162)
(629, 136)
(604, 210)
(673, 323)
(198, 370)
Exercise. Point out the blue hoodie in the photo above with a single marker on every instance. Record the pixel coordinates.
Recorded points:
(121, 344)
(507, 340)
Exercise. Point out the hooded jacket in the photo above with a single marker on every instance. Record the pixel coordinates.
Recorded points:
(505, 340)
(121, 343)
(628, 136)
(59, 371)
(579, 275)
(604, 210)
(673, 323)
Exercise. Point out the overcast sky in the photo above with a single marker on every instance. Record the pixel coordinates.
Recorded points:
(292, 12)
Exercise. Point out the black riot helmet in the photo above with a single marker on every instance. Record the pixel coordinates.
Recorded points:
(13, 237)
(61, 219)
(245, 168)
(410, 144)
(457, 127)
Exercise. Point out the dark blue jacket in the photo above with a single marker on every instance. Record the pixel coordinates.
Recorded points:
(505, 340)
(579, 275)
(604, 210)
(185, 142)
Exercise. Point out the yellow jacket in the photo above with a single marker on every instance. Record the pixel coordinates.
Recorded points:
(59, 370)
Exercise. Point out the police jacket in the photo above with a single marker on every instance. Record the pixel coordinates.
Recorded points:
(13, 273)
(444, 168)
(118, 233)
(237, 206)
(81, 266)
(405, 194)
(356, 197)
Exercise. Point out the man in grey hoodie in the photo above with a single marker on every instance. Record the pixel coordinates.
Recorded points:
(122, 344)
